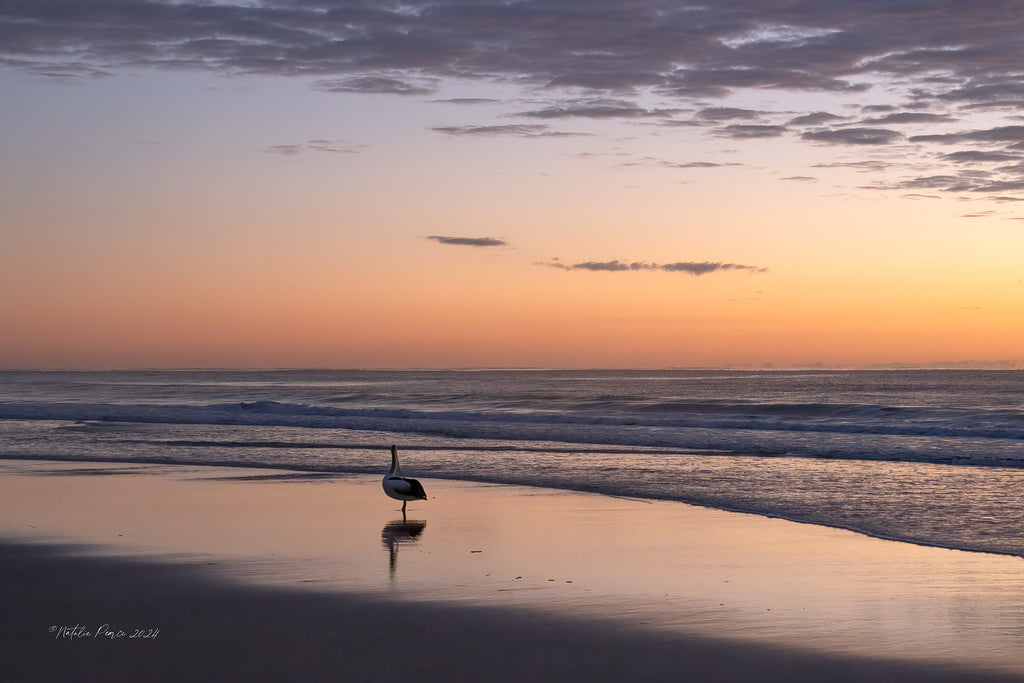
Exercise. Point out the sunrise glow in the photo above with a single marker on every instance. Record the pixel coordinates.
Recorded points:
(601, 184)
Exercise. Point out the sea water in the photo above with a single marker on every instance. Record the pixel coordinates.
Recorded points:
(927, 456)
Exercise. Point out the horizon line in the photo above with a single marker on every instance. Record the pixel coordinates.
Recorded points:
(1009, 364)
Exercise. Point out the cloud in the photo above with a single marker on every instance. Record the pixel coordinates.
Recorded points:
(727, 113)
(910, 117)
(686, 48)
(866, 166)
(991, 94)
(998, 134)
(285, 150)
(1000, 186)
(376, 85)
(600, 59)
(468, 100)
(597, 109)
(945, 183)
(853, 136)
(469, 241)
(974, 182)
(932, 181)
(59, 72)
(692, 267)
(971, 156)
(609, 266)
(700, 164)
(740, 131)
(1015, 169)
(328, 146)
(722, 81)
(704, 267)
(663, 163)
(518, 129)
(817, 118)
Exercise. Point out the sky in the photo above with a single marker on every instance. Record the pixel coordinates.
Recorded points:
(631, 183)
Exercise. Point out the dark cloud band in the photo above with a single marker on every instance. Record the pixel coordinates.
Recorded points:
(646, 61)
(687, 48)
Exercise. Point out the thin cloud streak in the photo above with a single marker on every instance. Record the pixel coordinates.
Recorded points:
(523, 130)
(695, 268)
(469, 241)
(327, 146)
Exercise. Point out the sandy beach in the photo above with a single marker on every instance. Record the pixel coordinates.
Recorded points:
(170, 573)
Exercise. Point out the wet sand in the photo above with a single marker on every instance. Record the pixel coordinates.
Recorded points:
(259, 575)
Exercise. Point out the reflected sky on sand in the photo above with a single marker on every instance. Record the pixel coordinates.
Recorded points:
(660, 565)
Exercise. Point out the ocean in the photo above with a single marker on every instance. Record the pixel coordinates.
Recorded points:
(933, 457)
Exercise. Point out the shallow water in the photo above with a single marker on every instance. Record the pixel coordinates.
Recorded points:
(658, 565)
(933, 457)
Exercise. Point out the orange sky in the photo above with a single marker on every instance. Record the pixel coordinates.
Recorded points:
(210, 217)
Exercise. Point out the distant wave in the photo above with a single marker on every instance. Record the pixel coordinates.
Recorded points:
(944, 435)
(813, 417)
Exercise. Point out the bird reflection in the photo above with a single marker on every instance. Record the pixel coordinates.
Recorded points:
(398, 532)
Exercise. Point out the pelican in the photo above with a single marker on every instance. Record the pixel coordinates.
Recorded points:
(399, 487)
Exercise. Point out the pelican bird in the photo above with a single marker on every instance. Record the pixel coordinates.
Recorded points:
(399, 487)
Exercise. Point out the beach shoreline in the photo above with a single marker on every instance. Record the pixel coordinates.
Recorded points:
(251, 576)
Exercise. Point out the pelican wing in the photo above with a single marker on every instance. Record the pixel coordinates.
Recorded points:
(416, 488)
(407, 487)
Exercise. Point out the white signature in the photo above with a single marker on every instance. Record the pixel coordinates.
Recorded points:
(79, 632)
